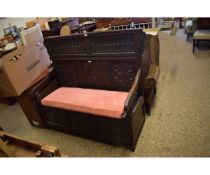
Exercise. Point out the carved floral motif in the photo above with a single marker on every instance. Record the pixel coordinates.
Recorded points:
(67, 74)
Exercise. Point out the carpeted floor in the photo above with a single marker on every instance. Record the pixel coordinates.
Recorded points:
(180, 120)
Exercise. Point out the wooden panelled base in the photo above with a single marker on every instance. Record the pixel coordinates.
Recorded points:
(123, 132)
(27, 99)
(8, 101)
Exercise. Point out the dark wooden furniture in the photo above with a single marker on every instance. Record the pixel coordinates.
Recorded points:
(180, 22)
(150, 69)
(202, 33)
(87, 28)
(8, 101)
(27, 99)
(99, 60)
(52, 32)
(103, 22)
(125, 21)
(203, 23)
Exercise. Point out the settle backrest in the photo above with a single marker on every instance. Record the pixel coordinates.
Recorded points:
(99, 60)
(203, 23)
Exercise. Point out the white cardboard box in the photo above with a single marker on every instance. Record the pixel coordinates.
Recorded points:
(21, 67)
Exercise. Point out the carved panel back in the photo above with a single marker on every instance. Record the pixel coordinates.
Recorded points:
(110, 44)
(100, 60)
(93, 71)
(123, 74)
(60, 46)
(67, 73)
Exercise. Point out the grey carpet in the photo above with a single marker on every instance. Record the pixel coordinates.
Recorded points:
(180, 120)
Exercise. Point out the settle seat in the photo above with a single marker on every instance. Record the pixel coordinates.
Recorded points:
(88, 100)
(202, 32)
(96, 88)
(200, 35)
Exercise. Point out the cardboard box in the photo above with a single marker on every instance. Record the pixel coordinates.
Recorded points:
(32, 35)
(21, 67)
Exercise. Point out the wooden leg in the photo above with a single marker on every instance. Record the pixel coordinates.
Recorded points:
(144, 108)
(180, 23)
(148, 108)
(132, 147)
(194, 45)
(198, 43)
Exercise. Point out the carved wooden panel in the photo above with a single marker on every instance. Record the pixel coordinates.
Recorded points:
(92, 74)
(67, 73)
(108, 44)
(123, 75)
(69, 46)
(102, 60)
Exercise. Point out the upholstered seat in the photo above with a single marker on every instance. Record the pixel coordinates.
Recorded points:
(202, 34)
(97, 102)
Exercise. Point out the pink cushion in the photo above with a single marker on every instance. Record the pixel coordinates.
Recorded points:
(98, 102)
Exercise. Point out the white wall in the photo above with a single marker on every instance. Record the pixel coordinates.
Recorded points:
(19, 22)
